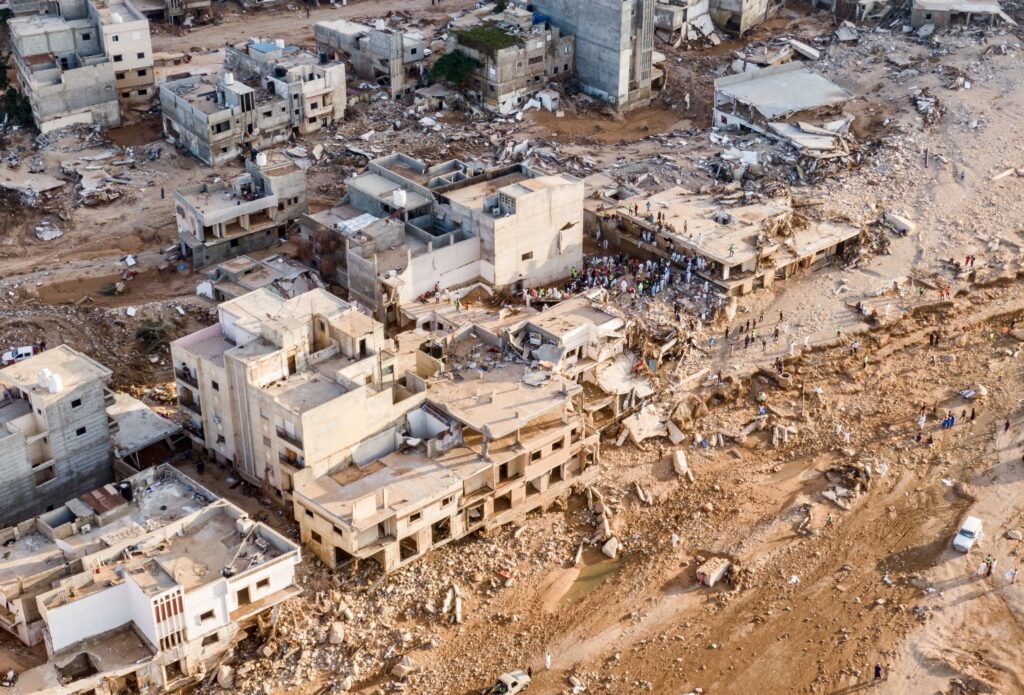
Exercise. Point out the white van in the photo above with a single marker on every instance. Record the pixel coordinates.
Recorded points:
(970, 532)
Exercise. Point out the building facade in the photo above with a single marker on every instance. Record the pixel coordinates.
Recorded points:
(614, 45)
(54, 431)
(218, 221)
(287, 389)
(387, 57)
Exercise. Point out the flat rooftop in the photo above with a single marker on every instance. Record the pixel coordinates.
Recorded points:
(137, 425)
(206, 344)
(346, 219)
(973, 6)
(501, 400)
(565, 317)
(215, 199)
(114, 650)
(408, 479)
(473, 195)
(381, 188)
(74, 368)
(200, 92)
(693, 222)
(310, 388)
(782, 90)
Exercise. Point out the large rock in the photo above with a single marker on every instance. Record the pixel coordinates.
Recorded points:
(404, 667)
(226, 677)
(611, 548)
(1014, 535)
(336, 635)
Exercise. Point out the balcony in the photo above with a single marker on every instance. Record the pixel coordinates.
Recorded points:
(294, 463)
(186, 377)
(108, 398)
(193, 406)
(293, 439)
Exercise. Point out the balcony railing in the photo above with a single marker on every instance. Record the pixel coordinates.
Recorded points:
(187, 377)
(293, 439)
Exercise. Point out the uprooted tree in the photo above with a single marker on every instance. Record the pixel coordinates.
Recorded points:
(14, 107)
(454, 68)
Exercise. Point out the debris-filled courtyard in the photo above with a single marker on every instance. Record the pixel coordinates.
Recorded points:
(604, 346)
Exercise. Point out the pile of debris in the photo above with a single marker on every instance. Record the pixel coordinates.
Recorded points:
(846, 482)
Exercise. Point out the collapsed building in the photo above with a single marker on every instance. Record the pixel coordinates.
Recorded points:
(83, 61)
(790, 103)
(59, 425)
(389, 58)
(740, 16)
(614, 46)
(406, 229)
(737, 245)
(286, 90)
(945, 13)
(278, 274)
(492, 439)
(678, 22)
(287, 389)
(221, 220)
(141, 585)
(513, 59)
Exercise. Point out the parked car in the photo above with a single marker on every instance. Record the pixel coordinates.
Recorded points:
(970, 533)
(510, 683)
(17, 355)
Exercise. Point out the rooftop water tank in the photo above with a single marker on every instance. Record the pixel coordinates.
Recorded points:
(399, 197)
(261, 159)
(55, 384)
(229, 78)
(43, 377)
(279, 43)
(116, 18)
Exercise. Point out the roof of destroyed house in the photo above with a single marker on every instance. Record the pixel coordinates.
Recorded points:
(693, 219)
(344, 218)
(972, 6)
(244, 274)
(502, 399)
(137, 425)
(408, 478)
(169, 496)
(782, 90)
(479, 315)
(572, 314)
(217, 198)
(73, 367)
(113, 651)
(211, 542)
(262, 306)
(199, 91)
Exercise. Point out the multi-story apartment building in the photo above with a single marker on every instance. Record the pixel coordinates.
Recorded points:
(514, 58)
(55, 434)
(288, 389)
(124, 32)
(217, 119)
(486, 447)
(285, 90)
(313, 87)
(218, 221)
(614, 45)
(454, 223)
(390, 58)
(82, 61)
(141, 586)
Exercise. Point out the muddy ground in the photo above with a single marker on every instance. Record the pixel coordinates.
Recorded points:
(825, 593)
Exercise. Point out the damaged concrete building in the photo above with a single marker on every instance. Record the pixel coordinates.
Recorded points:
(389, 58)
(218, 221)
(678, 22)
(59, 426)
(737, 17)
(278, 274)
(55, 439)
(287, 90)
(138, 586)
(514, 59)
(313, 87)
(788, 102)
(408, 228)
(944, 13)
(484, 449)
(614, 45)
(83, 61)
(738, 245)
(288, 389)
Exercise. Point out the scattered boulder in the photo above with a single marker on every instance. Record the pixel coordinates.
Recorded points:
(611, 547)
(336, 635)
(226, 677)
